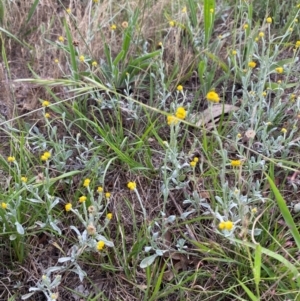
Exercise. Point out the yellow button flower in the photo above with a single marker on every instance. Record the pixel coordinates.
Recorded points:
(24, 179)
(11, 159)
(81, 58)
(212, 96)
(228, 225)
(94, 64)
(193, 163)
(45, 103)
(222, 225)
(113, 27)
(82, 199)
(45, 156)
(86, 182)
(100, 245)
(3, 205)
(235, 163)
(172, 23)
(252, 64)
(180, 113)
(61, 38)
(68, 207)
(179, 88)
(100, 189)
(269, 20)
(279, 70)
(172, 120)
(131, 185)
(107, 195)
(109, 216)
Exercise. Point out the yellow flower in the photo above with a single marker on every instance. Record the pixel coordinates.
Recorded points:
(261, 34)
(113, 27)
(96, 1)
(296, 20)
(91, 230)
(228, 225)
(252, 64)
(56, 61)
(47, 115)
(94, 64)
(172, 23)
(86, 182)
(179, 88)
(107, 195)
(269, 20)
(159, 45)
(45, 103)
(264, 93)
(196, 159)
(131, 185)
(246, 26)
(239, 135)
(100, 245)
(24, 179)
(172, 120)
(99, 189)
(184, 9)
(212, 96)
(82, 199)
(3, 205)
(291, 29)
(254, 210)
(222, 225)
(81, 58)
(68, 10)
(235, 163)
(297, 44)
(180, 113)
(68, 207)
(109, 216)
(283, 130)
(45, 156)
(11, 159)
(211, 10)
(193, 163)
(124, 24)
(279, 70)
(61, 38)
(233, 52)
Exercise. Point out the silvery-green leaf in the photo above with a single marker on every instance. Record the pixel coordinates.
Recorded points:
(184, 215)
(160, 252)
(55, 227)
(148, 261)
(64, 259)
(36, 201)
(54, 203)
(76, 230)
(26, 296)
(147, 249)
(20, 228)
(171, 218)
(297, 208)
(12, 237)
(39, 223)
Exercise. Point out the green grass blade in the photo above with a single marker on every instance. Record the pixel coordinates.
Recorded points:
(192, 9)
(32, 10)
(72, 51)
(209, 18)
(285, 212)
(248, 291)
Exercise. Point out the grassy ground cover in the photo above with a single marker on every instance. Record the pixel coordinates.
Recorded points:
(149, 150)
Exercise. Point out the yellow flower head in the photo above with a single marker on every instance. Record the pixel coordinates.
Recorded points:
(100, 245)
(261, 34)
(283, 130)
(269, 20)
(113, 27)
(179, 88)
(228, 225)
(297, 44)
(24, 179)
(109, 216)
(196, 159)
(45, 103)
(252, 64)
(212, 96)
(222, 225)
(211, 10)
(45, 156)
(184, 10)
(100, 189)
(107, 195)
(172, 23)
(82, 199)
(131, 185)
(81, 58)
(234, 52)
(68, 207)
(94, 64)
(68, 10)
(47, 115)
(235, 163)
(246, 26)
(239, 135)
(124, 24)
(193, 163)
(61, 38)
(3, 205)
(86, 182)
(172, 120)
(180, 113)
(279, 70)
(11, 159)
(56, 61)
